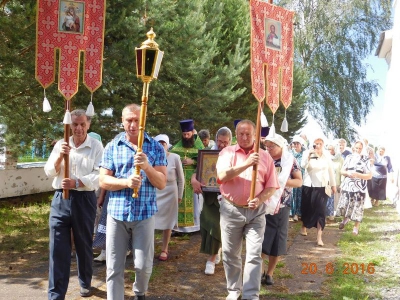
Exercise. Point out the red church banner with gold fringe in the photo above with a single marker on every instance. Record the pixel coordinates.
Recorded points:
(71, 27)
(271, 50)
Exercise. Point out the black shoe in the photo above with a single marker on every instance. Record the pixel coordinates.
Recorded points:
(267, 279)
(141, 297)
(263, 277)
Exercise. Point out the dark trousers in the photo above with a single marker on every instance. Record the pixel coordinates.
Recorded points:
(78, 212)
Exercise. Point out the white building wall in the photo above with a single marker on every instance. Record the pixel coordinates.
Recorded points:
(390, 121)
(24, 179)
(391, 110)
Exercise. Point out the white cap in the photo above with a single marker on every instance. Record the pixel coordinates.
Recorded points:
(319, 138)
(277, 139)
(299, 139)
(164, 138)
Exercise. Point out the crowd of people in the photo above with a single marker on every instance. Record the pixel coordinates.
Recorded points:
(257, 194)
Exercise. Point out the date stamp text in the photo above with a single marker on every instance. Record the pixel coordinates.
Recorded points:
(345, 268)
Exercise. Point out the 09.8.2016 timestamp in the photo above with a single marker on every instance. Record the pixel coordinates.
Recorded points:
(344, 268)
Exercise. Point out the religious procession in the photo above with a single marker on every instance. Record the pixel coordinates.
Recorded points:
(205, 168)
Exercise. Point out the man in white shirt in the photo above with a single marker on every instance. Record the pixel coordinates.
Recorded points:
(78, 212)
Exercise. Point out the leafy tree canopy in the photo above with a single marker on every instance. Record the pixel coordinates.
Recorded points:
(333, 38)
(205, 72)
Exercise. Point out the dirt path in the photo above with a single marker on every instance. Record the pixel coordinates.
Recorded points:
(182, 276)
(310, 264)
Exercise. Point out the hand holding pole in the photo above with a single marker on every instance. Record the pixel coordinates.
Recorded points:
(256, 149)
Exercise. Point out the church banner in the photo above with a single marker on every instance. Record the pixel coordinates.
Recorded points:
(72, 28)
(271, 53)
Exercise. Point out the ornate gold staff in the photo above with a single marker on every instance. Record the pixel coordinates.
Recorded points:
(148, 62)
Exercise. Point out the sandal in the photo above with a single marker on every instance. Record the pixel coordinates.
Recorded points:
(163, 258)
(355, 231)
(343, 223)
(303, 232)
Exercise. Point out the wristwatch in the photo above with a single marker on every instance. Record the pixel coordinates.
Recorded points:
(76, 183)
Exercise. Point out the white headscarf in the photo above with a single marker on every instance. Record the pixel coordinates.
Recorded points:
(287, 160)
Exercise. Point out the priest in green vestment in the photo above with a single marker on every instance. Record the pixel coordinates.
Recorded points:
(186, 148)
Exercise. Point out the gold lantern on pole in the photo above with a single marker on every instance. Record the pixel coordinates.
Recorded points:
(148, 63)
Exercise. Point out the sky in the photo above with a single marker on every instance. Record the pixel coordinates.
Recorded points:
(369, 129)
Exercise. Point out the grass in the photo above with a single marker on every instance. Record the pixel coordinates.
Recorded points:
(25, 159)
(155, 272)
(131, 274)
(369, 263)
(374, 247)
(24, 228)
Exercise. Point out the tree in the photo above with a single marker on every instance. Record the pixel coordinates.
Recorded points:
(295, 114)
(204, 75)
(245, 107)
(332, 40)
(19, 107)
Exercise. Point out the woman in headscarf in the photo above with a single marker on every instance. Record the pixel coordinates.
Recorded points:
(278, 207)
(356, 171)
(337, 164)
(169, 198)
(318, 184)
(382, 166)
(298, 144)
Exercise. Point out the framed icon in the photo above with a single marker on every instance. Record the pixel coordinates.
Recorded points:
(71, 16)
(273, 34)
(207, 170)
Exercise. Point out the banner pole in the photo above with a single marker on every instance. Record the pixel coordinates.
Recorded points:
(66, 156)
(256, 149)
(258, 133)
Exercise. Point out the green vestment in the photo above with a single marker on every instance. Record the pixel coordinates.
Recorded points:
(186, 213)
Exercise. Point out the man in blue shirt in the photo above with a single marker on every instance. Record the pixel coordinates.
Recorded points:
(129, 217)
